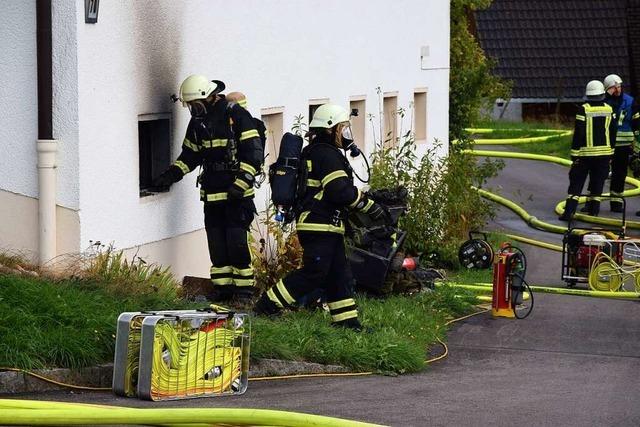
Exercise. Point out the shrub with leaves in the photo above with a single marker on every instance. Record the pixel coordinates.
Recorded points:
(275, 253)
(442, 206)
(472, 85)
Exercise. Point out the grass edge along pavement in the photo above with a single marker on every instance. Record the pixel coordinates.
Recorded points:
(69, 323)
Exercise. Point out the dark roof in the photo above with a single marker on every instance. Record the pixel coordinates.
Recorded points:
(552, 48)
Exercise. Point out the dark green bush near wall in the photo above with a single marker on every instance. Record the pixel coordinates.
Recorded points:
(443, 207)
(471, 85)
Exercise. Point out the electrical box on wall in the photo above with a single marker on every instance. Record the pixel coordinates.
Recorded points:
(424, 57)
(91, 11)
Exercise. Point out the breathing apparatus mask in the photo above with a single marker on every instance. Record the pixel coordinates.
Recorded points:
(198, 108)
(348, 143)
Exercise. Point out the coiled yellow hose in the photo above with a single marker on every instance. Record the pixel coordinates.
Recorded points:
(191, 358)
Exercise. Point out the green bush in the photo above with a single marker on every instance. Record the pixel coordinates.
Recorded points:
(471, 86)
(442, 206)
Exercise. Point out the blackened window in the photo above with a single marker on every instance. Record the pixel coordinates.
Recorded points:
(155, 152)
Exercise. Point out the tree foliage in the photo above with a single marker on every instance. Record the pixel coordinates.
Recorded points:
(472, 86)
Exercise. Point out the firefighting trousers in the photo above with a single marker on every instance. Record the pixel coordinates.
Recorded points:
(227, 225)
(597, 169)
(324, 266)
(619, 168)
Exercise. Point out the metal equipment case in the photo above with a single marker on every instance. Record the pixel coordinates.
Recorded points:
(182, 354)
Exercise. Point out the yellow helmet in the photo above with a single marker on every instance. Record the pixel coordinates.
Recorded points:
(197, 86)
(329, 115)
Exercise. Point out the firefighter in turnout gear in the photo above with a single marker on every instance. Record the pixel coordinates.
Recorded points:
(593, 141)
(223, 140)
(622, 105)
(320, 223)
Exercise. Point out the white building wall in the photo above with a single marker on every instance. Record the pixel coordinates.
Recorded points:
(18, 98)
(280, 53)
(65, 99)
(19, 124)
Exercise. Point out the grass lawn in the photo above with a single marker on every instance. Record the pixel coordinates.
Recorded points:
(72, 323)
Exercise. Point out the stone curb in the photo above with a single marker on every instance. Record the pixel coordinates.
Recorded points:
(101, 376)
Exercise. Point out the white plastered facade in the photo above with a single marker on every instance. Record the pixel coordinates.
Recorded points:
(280, 53)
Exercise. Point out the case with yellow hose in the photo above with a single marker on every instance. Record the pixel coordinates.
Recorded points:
(193, 355)
(127, 350)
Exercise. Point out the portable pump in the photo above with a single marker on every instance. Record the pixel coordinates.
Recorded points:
(509, 269)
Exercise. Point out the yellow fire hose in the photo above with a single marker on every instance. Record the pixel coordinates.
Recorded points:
(550, 246)
(564, 291)
(532, 220)
(551, 133)
(20, 412)
(27, 412)
(202, 350)
(492, 130)
(54, 413)
(525, 140)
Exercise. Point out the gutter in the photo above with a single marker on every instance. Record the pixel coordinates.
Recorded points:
(46, 145)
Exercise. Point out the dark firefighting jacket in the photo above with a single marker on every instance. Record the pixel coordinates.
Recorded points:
(226, 143)
(330, 192)
(595, 130)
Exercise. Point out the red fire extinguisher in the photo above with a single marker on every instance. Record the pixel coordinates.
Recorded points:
(508, 282)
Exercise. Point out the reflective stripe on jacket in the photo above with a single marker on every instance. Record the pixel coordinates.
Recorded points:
(594, 133)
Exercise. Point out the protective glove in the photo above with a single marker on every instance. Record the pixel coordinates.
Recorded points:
(172, 175)
(242, 183)
(380, 213)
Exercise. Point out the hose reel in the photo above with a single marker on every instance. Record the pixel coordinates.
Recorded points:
(476, 253)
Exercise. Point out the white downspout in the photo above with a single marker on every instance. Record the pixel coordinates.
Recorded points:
(47, 149)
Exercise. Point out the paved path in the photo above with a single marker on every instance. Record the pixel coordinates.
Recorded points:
(538, 187)
(574, 362)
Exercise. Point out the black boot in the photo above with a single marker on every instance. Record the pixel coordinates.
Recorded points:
(595, 208)
(266, 307)
(616, 207)
(569, 209)
(353, 324)
(243, 296)
(587, 207)
(221, 293)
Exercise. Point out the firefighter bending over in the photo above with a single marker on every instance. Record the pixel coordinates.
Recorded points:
(223, 139)
(593, 141)
(320, 223)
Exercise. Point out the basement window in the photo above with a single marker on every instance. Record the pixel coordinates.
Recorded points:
(154, 138)
(358, 122)
(273, 119)
(420, 115)
(390, 113)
